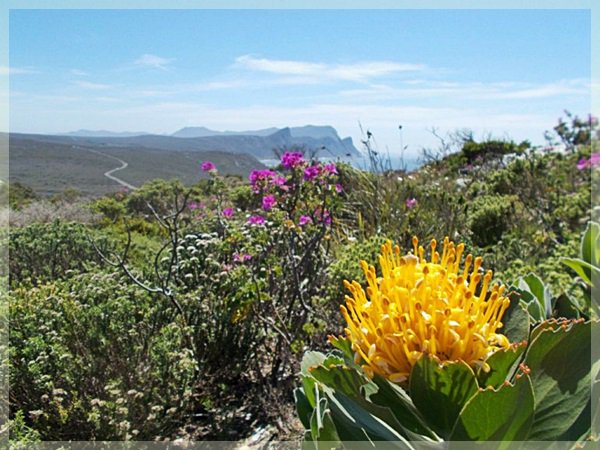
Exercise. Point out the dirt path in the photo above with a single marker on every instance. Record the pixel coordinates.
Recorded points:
(109, 173)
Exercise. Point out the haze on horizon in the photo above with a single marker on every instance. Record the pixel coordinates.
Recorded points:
(507, 73)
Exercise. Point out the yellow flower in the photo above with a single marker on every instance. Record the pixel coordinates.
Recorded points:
(423, 307)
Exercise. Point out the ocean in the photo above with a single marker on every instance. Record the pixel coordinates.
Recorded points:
(408, 163)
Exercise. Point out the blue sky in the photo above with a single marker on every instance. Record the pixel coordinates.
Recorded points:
(509, 73)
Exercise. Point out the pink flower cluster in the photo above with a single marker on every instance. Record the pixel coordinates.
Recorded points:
(262, 179)
(304, 220)
(208, 166)
(314, 171)
(241, 257)
(411, 203)
(322, 216)
(256, 220)
(319, 217)
(585, 163)
(291, 160)
(268, 202)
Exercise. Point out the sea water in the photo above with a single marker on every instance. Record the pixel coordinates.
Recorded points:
(408, 163)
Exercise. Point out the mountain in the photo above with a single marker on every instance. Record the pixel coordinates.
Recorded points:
(315, 132)
(262, 144)
(324, 140)
(103, 133)
(190, 132)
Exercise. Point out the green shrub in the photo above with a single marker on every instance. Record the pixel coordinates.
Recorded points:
(491, 149)
(110, 208)
(19, 194)
(49, 251)
(489, 217)
(95, 358)
(158, 193)
(345, 266)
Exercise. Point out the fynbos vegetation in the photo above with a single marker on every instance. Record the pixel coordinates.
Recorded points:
(210, 311)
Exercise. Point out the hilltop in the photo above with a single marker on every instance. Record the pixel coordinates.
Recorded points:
(322, 140)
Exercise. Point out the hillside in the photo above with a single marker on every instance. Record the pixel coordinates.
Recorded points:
(51, 164)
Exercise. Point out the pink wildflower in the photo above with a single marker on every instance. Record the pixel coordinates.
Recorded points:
(338, 188)
(291, 160)
(279, 180)
(323, 216)
(583, 164)
(208, 166)
(311, 172)
(268, 202)
(228, 212)
(411, 203)
(331, 169)
(241, 257)
(260, 179)
(304, 220)
(256, 220)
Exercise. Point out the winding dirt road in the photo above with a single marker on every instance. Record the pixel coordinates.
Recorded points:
(109, 174)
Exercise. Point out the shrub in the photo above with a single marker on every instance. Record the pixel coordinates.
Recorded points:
(49, 251)
(19, 195)
(94, 358)
(111, 208)
(491, 149)
(489, 217)
(43, 211)
(345, 268)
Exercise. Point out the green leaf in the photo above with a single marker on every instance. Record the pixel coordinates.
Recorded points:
(339, 378)
(352, 421)
(345, 346)
(309, 360)
(328, 432)
(502, 364)
(590, 244)
(322, 428)
(317, 415)
(528, 301)
(565, 307)
(505, 414)
(303, 407)
(309, 388)
(346, 426)
(559, 360)
(539, 290)
(440, 392)
(398, 401)
(516, 319)
(581, 268)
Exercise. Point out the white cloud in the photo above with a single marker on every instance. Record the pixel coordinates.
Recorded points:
(92, 86)
(78, 73)
(473, 91)
(5, 70)
(361, 71)
(153, 61)
(282, 67)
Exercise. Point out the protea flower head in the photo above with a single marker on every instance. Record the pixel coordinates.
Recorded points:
(421, 306)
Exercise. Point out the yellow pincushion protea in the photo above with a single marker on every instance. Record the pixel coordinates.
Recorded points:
(423, 307)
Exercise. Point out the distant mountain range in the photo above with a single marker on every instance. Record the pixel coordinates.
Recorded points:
(103, 133)
(321, 140)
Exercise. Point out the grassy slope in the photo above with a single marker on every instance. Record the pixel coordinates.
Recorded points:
(51, 167)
